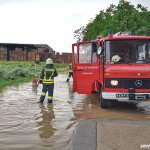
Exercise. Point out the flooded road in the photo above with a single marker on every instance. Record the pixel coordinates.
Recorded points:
(28, 125)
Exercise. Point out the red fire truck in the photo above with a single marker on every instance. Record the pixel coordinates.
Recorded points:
(118, 67)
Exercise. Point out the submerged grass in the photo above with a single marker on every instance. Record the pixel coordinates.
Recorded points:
(15, 72)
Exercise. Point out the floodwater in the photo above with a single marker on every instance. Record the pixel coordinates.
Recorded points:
(28, 125)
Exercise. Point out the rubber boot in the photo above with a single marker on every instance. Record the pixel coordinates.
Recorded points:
(42, 99)
(50, 101)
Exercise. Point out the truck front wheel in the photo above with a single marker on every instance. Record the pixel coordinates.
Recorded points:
(103, 102)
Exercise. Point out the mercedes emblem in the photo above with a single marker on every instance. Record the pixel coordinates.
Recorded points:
(138, 83)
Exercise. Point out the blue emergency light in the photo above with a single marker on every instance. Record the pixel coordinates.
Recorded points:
(110, 33)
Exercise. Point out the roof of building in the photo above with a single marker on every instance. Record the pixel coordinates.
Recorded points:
(19, 45)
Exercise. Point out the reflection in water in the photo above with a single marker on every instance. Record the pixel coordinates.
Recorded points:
(44, 122)
(70, 91)
(35, 89)
(90, 109)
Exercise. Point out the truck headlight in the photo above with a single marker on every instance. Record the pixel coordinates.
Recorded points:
(114, 82)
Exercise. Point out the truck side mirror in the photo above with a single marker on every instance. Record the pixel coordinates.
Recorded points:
(99, 51)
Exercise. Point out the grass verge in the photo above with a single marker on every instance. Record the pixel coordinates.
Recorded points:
(16, 72)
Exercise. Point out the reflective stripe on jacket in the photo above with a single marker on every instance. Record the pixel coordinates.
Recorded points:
(48, 74)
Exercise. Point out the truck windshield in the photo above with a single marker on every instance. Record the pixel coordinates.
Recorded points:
(127, 51)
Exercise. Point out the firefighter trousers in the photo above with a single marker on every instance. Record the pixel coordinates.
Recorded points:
(69, 76)
(50, 89)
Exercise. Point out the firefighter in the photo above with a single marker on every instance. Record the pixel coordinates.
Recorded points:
(47, 79)
(124, 58)
(70, 74)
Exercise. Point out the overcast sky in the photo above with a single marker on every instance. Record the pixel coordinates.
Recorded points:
(49, 22)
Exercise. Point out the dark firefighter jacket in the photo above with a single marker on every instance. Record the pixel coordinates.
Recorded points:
(70, 68)
(47, 74)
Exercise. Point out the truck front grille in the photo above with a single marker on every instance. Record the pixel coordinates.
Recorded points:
(136, 83)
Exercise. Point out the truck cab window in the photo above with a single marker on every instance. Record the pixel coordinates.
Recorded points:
(87, 53)
(141, 52)
(75, 53)
(149, 51)
(94, 52)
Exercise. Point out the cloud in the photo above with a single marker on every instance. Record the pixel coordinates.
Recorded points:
(46, 21)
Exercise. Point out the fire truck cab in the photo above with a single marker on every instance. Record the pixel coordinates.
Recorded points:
(118, 67)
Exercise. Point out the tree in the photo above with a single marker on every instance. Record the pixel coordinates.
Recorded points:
(120, 18)
(78, 34)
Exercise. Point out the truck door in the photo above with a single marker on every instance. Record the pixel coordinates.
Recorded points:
(86, 67)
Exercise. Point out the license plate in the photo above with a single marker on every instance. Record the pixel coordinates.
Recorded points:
(121, 95)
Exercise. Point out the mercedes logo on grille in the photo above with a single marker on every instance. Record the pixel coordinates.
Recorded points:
(138, 83)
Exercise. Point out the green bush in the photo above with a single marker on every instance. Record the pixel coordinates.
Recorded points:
(1, 73)
(17, 72)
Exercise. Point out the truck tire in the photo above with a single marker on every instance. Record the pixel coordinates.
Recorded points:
(103, 102)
